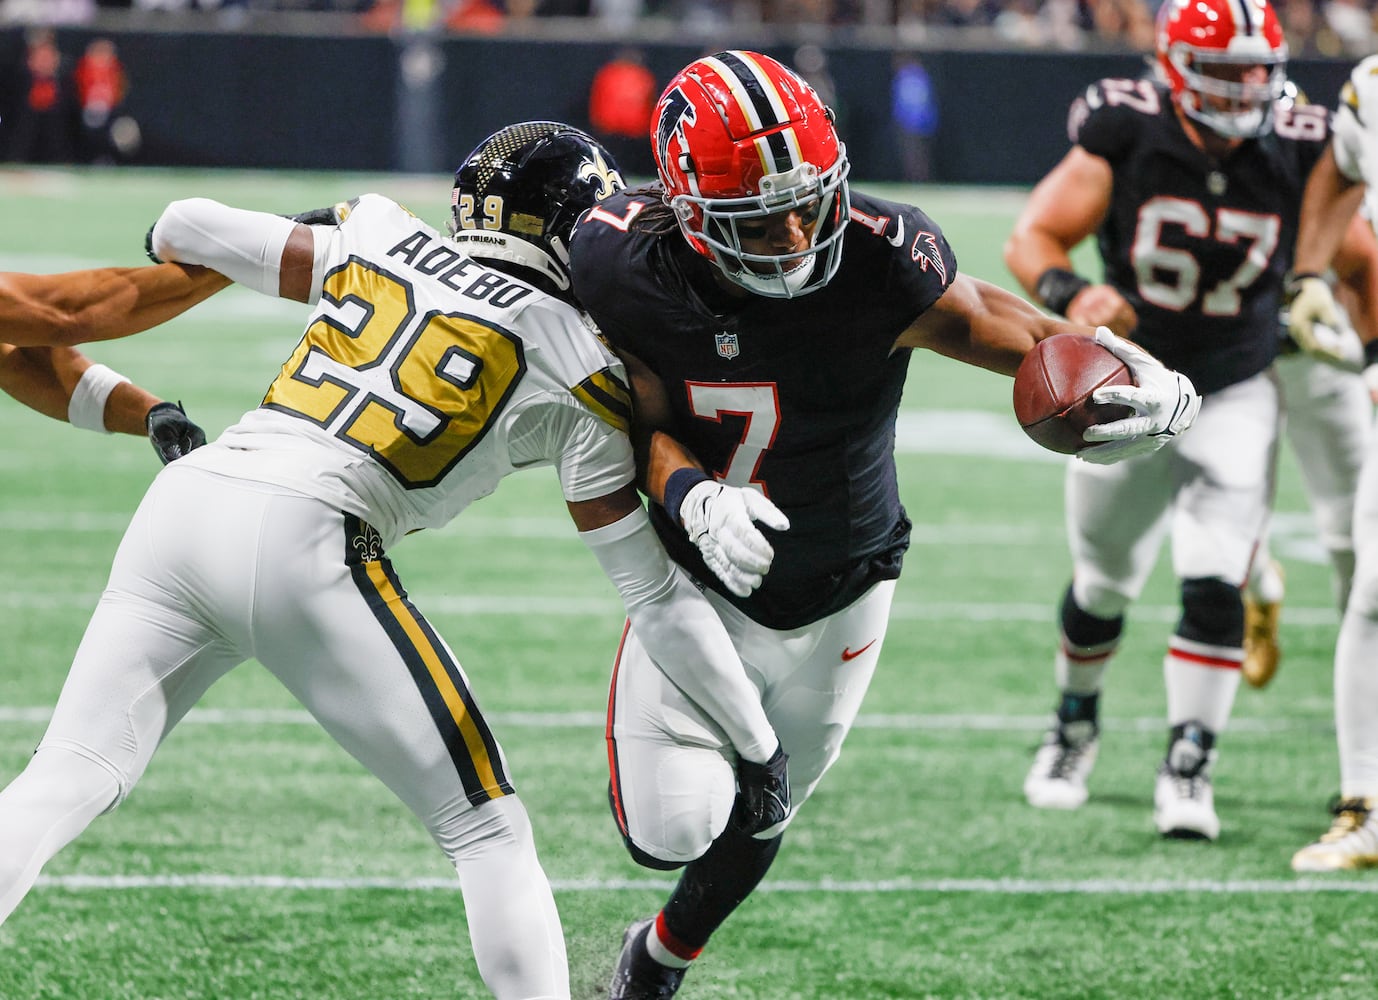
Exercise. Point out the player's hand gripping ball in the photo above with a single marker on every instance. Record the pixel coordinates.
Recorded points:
(1053, 387)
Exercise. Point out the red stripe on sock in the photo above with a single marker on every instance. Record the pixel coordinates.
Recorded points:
(1219, 662)
(673, 944)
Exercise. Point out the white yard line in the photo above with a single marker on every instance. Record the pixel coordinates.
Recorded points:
(525, 605)
(1011, 887)
(899, 722)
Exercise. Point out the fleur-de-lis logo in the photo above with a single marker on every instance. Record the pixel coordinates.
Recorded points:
(596, 169)
(367, 543)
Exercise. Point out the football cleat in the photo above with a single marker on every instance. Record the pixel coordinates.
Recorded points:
(1183, 799)
(1057, 779)
(637, 975)
(1351, 842)
(1262, 651)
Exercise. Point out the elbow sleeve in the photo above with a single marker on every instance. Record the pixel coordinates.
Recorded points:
(242, 245)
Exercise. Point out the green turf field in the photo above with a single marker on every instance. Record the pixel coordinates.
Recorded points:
(256, 860)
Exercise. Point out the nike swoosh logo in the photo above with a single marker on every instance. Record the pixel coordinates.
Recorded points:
(847, 653)
(898, 238)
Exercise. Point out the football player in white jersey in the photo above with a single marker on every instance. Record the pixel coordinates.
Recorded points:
(1345, 175)
(43, 315)
(1327, 414)
(429, 369)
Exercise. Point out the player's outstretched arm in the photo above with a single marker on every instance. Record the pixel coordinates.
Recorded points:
(74, 307)
(259, 250)
(62, 383)
(674, 621)
(984, 325)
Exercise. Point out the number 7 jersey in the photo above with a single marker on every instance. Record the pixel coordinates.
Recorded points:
(423, 378)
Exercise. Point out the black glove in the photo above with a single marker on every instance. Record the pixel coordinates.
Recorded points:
(762, 793)
(148, 245)
(172, 433)
(331, 215)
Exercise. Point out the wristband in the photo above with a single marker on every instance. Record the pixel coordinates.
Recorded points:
(678, 485)
(1057, 287)
(86, 408)
(1371, 353)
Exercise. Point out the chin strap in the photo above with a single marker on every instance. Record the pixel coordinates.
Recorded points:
(488, 245)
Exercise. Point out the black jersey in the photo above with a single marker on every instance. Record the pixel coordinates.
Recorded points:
(1199, 247)
(797, 397)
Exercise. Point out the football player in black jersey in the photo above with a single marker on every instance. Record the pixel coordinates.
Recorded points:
(43, 315)
(767, 316)
(1192, 185)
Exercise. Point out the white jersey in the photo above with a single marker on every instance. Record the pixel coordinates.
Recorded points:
(1355, 132)
(423, 378)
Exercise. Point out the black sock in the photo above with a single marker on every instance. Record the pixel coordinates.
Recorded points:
(1078, 707)
(712, 886)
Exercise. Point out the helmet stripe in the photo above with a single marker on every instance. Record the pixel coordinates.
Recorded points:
(1243, 21)
(752, 88)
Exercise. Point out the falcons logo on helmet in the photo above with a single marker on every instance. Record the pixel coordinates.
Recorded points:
(676, 111)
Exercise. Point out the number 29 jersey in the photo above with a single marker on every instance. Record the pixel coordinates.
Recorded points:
(423, 378)
(794, 397)
(1199, 247)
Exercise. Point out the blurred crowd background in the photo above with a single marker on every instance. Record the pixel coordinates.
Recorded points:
(1331, 28)
(946, 91)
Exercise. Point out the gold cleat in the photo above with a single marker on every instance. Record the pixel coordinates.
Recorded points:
(1350, 843)
(1262, 653)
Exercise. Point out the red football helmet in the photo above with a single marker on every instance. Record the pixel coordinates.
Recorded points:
(1199, 40)
(738, 137)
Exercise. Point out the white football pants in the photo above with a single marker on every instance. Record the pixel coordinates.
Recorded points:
(1356, 652)
(1327, 414)
(673, 770)
(213, 571)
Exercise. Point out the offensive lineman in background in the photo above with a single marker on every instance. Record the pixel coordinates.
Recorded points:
(43, 315)
(1193, 185)
(430, 369)
(1346, 173)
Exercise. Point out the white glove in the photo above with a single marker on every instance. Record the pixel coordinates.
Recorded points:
(1313, 319)
(719, 519)
(1164, 402)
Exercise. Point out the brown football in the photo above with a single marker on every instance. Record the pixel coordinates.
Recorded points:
(1053, 386)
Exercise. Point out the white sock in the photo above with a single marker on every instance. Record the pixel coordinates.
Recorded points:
(662, 954)
(1197, 690)
(42, 811)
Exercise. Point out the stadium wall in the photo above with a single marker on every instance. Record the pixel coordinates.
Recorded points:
(376, 103)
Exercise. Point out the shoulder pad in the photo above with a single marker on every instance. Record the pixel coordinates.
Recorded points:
(1113, 97)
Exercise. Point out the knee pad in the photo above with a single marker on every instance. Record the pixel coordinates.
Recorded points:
(469, 832)
(1212, 612)
(1097, 598)
(1085, 628)
(641, 856)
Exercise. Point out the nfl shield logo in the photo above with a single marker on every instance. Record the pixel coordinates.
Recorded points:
(727, 345)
